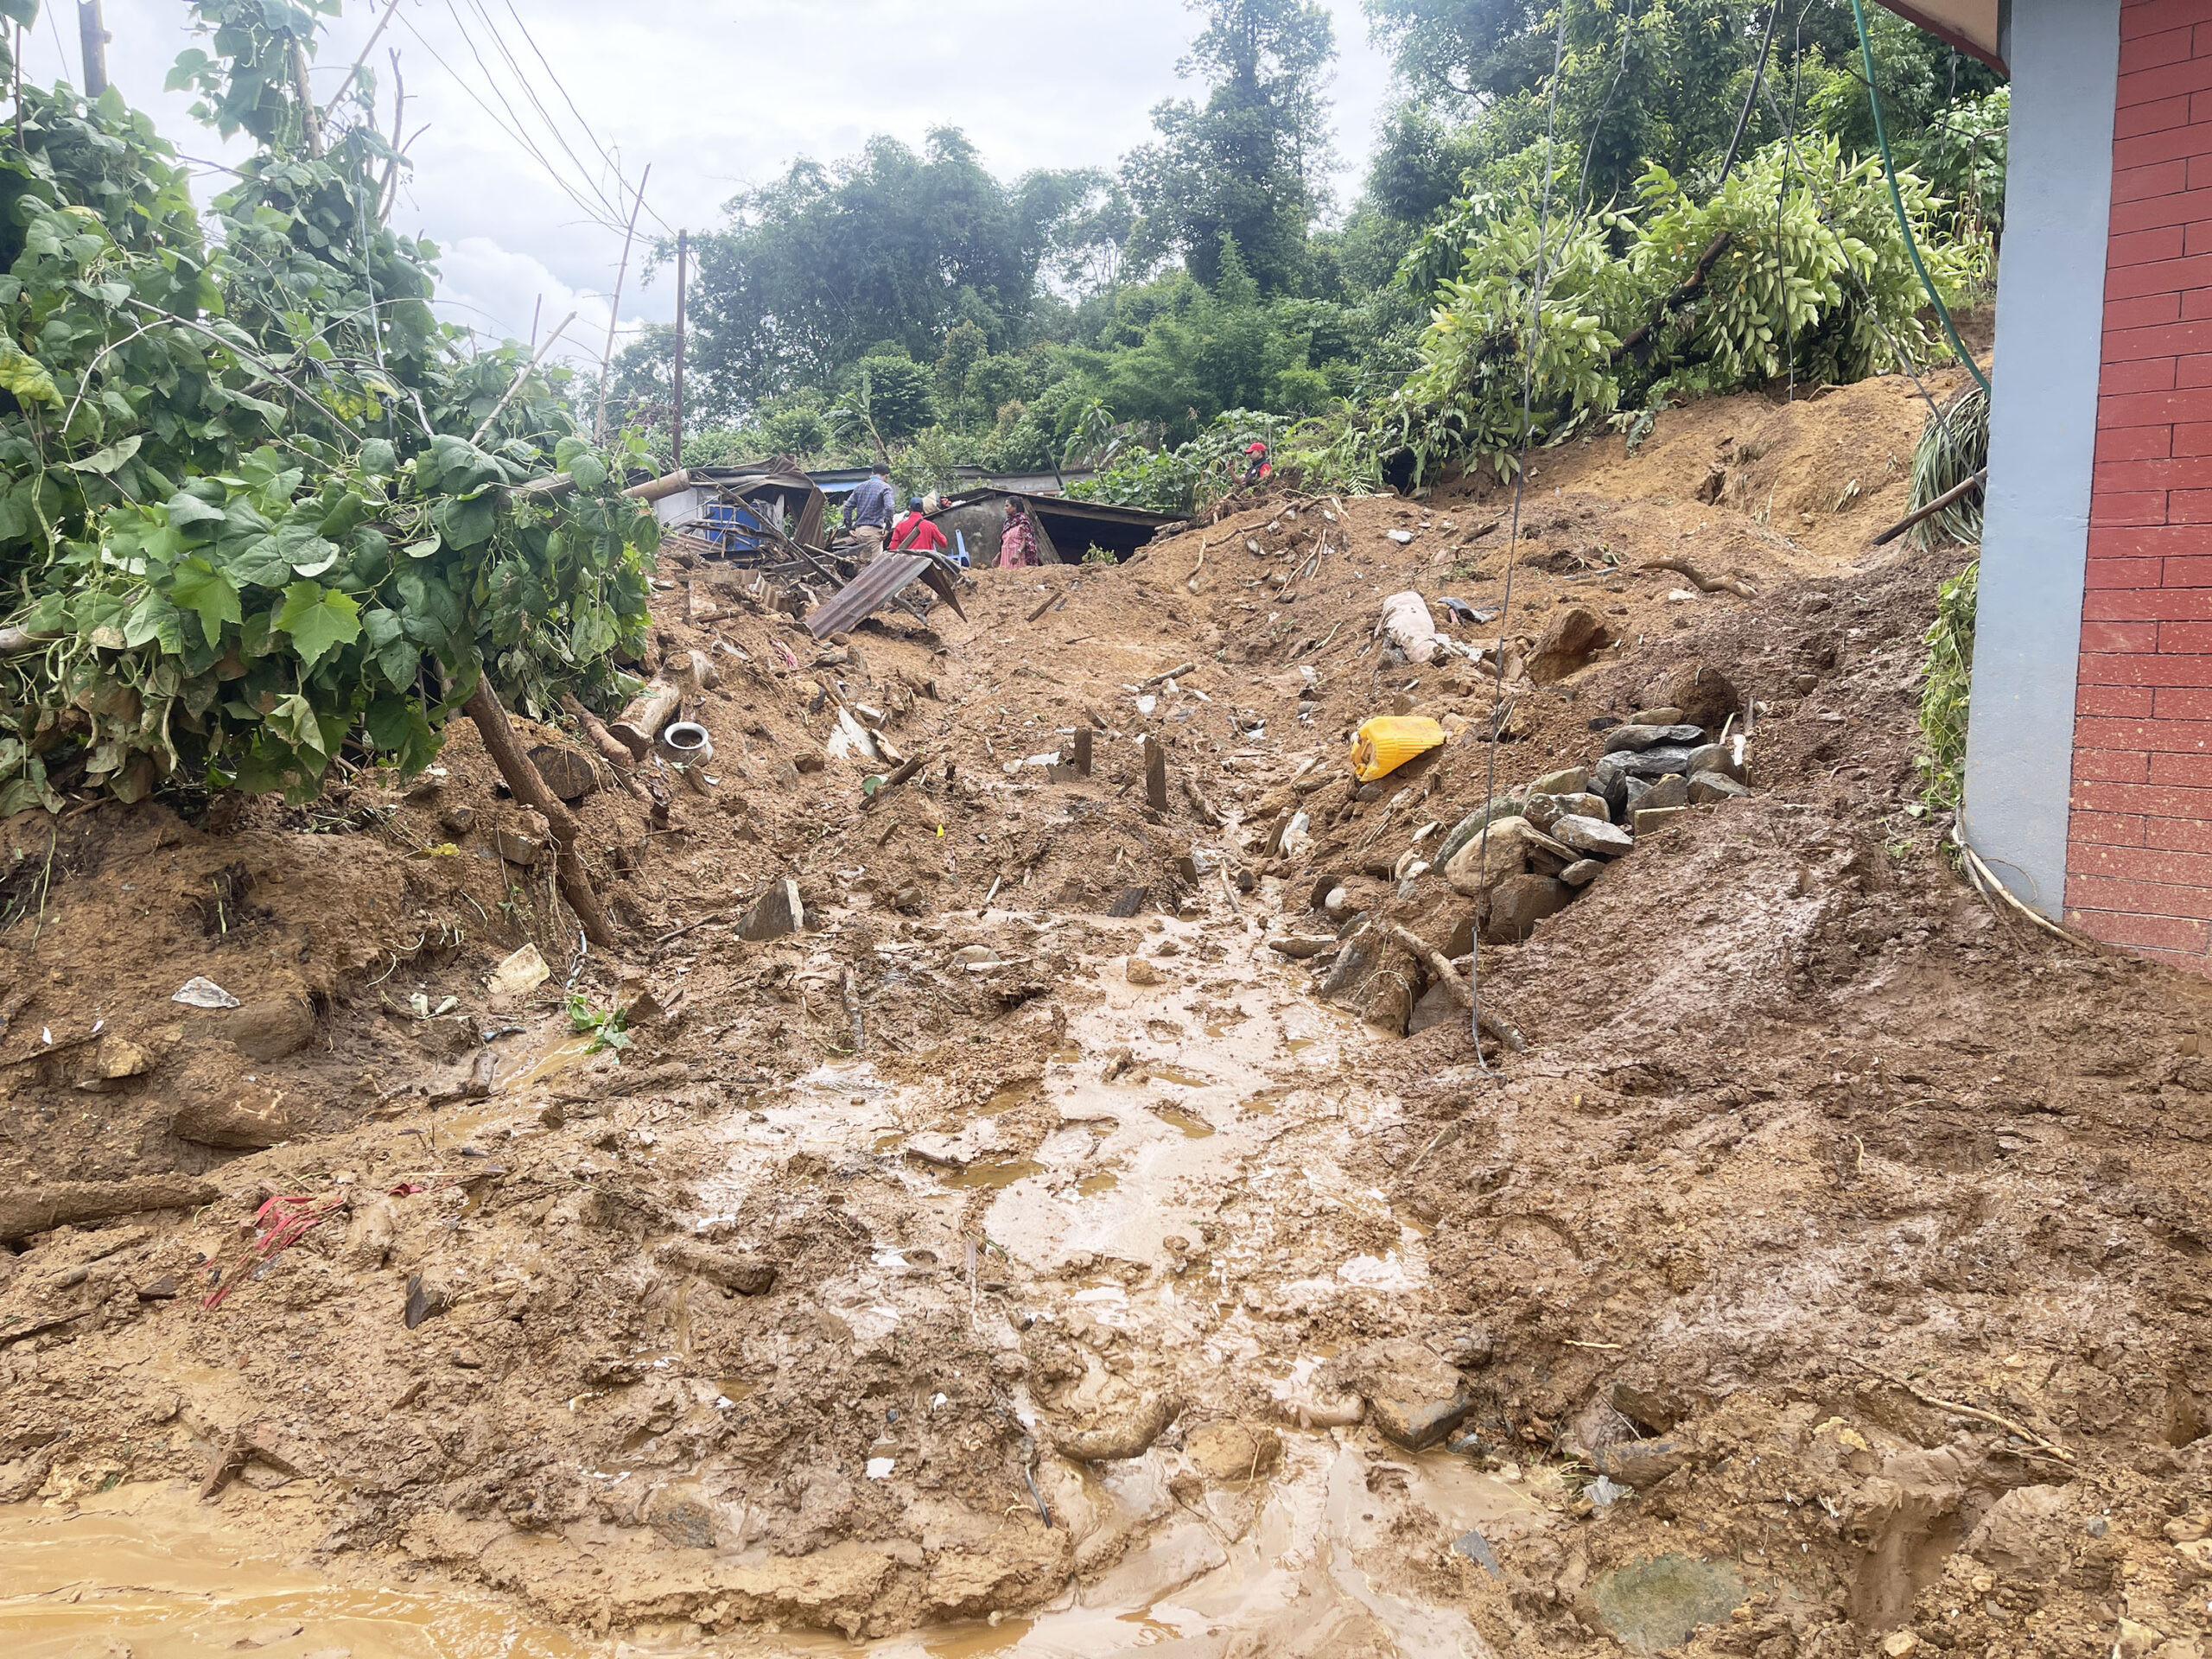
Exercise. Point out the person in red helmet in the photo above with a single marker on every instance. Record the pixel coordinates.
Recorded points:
(1257, 467)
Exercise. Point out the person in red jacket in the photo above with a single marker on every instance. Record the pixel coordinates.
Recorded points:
(916, 533)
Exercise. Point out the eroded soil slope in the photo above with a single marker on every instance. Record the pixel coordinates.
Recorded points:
(1827, 1274)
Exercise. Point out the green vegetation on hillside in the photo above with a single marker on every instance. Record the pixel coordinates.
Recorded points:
(258, 509)
(1207, 290)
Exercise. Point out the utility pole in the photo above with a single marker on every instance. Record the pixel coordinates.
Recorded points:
(93, 34)
(683, 269)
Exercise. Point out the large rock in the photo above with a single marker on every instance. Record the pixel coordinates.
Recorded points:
(1572, 780)
(2025, 1536)
(1644, 737)
(1705, 696)
(1671, 790)
(234, 1125)
(271, 1030)
(1519, 902)
(1593, 836)
(778, 913)
(1501, 806)
(1707, 788)
(1414, 1396)
(1373, 977)
(1573, 637)
(1714, 757)
(1656, 762)
(1486, 861)
(1545, 811)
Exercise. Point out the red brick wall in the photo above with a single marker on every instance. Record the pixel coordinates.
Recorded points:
(2140, 842)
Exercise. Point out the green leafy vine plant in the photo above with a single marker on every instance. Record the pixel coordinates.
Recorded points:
(257, 507)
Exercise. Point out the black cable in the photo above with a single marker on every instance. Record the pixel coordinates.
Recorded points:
(1744, 116)
(1513, 540)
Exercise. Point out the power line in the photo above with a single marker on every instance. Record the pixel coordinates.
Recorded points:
(1520, 484)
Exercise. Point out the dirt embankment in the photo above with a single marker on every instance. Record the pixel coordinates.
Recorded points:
(1825, 1276)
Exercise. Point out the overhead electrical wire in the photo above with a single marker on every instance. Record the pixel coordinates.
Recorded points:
(599, 213)
(1540, 278)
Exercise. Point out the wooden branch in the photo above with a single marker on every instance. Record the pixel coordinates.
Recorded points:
(530, 789)
(1638, 341)
(610, 749)
(1448, 976)
(1955, 493)
(638, 725)
(29, 1209)
(507, 397)
(1704, 583)
(2050, 1447)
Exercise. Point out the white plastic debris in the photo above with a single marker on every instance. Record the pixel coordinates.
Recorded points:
(1401, 536)
(519, 974)
(200, 992)
(1147, 703)
(879, 1468)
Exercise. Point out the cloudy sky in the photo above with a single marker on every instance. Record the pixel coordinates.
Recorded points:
(714, 95)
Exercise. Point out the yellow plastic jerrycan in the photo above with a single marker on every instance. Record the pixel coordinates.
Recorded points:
(1388, 741)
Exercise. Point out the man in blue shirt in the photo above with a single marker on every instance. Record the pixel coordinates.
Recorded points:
(868, 515)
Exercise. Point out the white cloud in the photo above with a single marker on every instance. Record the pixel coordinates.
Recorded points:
(715, 98)
(499, 291)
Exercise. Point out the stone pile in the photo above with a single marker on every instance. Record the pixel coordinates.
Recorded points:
(1547, 843)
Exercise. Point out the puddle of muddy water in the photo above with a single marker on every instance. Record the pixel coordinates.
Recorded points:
(1193, 1126)
(993, 1173)
(139, 1566)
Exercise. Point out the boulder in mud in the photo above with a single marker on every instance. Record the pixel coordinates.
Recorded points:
(1594, 837)
(1519, 902)
(1486, 861)
(1230, 1450)
(1623, 738)
(735, 1271)
(1711, 788)
(234, 1124)
(1713, 757)
(1502, 806)
(1570, 780)
(1111, 1437)
(1655, 1602)
(1573, 637)
(1414, 1397)
(1373, 977)
(271, 1029)
(1703, 694)
(1671, 790)
(2026, 1536)
(1545, 811)
(777, 914)
(1641, 1463)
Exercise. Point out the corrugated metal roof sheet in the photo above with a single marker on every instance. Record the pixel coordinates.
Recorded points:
(879, 582)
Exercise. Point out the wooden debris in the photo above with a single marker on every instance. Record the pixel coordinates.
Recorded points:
(1448, 976)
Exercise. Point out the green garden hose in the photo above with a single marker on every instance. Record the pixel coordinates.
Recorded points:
(1896, 200)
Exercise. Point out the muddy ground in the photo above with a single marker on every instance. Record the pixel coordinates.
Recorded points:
(978, 1271)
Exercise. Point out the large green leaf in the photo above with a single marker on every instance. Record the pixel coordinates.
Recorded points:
(198, 586)
(319, 619)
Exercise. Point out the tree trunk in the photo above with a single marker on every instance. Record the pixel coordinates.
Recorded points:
(530, 789)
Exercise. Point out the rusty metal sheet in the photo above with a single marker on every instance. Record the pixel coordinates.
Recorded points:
(877, 585)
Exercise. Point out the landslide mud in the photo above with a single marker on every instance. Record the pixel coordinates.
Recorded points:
(977, 1272)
